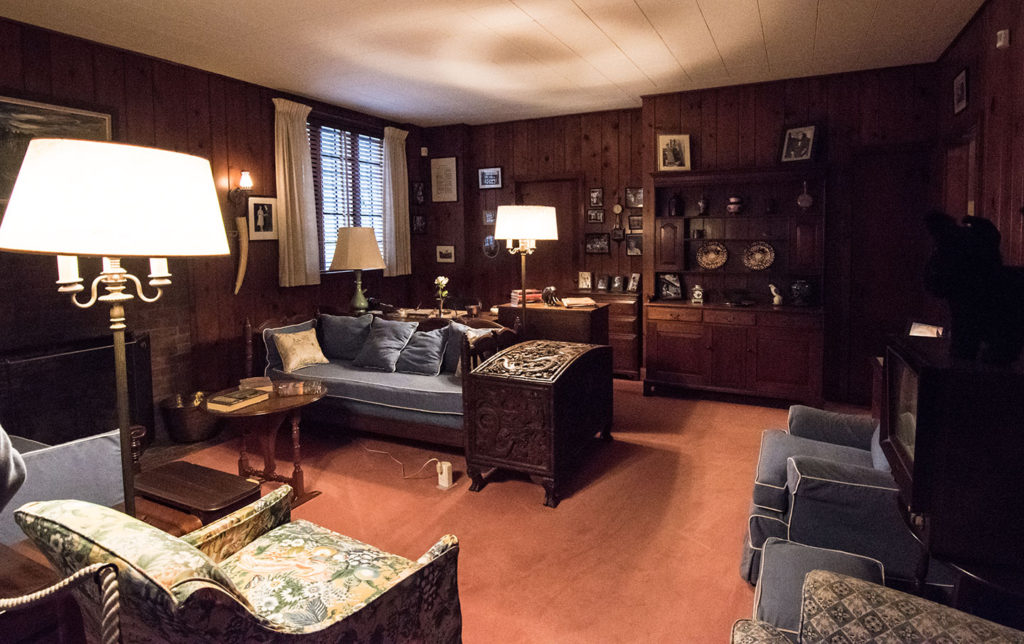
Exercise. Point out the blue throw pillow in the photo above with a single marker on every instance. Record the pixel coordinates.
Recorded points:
(273, 355)
(342, 336)
(424, 353)
(453, 348)
(382, 349)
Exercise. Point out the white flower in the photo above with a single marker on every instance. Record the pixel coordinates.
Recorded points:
(441, 281)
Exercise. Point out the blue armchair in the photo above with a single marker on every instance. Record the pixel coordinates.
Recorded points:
(826, 483)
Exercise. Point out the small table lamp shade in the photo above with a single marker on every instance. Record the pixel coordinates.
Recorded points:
(108, 199)
(357, 250)
(526, 222)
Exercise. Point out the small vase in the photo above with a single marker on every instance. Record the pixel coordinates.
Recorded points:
(440, 307)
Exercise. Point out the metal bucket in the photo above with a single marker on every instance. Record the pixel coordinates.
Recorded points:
(185, 419)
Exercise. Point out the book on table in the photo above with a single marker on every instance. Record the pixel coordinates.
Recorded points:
(236, 399)
(577, 302)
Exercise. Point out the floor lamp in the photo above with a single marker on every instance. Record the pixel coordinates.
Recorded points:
(111, 200)
(525, 225)
(357, 250)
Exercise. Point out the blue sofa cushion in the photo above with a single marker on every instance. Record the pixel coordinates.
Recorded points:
(342, 336)
(273, 355)
(384, 345)
(777, 446)
(440, 394)
(424, 353)
(453, 348)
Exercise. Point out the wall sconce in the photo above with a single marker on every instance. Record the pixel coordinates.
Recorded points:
(239, 194)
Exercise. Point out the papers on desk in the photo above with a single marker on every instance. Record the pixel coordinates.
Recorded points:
(577, 302)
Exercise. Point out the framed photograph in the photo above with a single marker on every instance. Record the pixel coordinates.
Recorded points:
(798, 144)
(634, 197)
(488, 178)
(418, 224)
(21, 121)
(490, 216)
(669, 287)
(634, 244)
(602, 283)
(595, 215)
(585, 280)
(490, 247)
(262, 218)
(419, 193)
(443, 180)
(960, 92)
(636, 222)
(673, 152)
(445, 254)
(634, 283)
(596, 197)
(597, 243)
(618, 283)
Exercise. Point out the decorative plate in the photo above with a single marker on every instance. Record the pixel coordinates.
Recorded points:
(712, 255)
(758, 256)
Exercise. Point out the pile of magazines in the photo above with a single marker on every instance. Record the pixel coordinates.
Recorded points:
(532, 295)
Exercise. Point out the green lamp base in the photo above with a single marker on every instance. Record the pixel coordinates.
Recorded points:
(359, 303)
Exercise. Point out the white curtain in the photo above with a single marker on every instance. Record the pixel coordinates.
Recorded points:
(396, 204)
(298, 244)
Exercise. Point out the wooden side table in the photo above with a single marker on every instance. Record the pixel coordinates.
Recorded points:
(534, 407)
(262, 421)
(587, 324)
(206, 493)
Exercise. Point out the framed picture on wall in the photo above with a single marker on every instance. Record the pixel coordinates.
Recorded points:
(490, 216)
(673, 152)
(419, 193)
(444, 184)
(636, 222)
(419, 224)
(597, 243)
(489, 178)
(798, 144)
(596, 198)
(585, 280)
(634, 244)
(634, 197)
(595, 215)
(262, 218)
(445, 254)
(960, 92)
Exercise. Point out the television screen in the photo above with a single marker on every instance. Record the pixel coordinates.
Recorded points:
(905, 409)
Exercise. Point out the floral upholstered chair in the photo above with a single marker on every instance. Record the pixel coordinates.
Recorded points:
(253, 576)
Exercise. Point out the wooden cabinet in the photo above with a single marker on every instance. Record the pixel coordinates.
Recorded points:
(624, 329)
(762, 351)
(587, 324)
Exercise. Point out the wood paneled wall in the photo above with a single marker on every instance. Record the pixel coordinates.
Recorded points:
(196, 328)
(995, 110)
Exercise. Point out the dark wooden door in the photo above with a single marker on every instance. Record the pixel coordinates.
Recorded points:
(787, 363)
(677, 352)
(729, 350)
(554, 262)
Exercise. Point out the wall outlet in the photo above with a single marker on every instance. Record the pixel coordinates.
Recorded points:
(444, 475)
(1002, 39)
(424, 152)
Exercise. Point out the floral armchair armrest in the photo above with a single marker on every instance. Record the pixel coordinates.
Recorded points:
(227, 535)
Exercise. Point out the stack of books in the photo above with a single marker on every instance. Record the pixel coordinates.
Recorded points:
(532, 295)
(236, 399)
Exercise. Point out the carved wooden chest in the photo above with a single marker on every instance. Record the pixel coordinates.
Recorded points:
(534, 407)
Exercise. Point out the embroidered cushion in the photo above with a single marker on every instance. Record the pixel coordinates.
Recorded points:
(424, 353)
(299, 349)
(342, 336)
(273, 356)
(382, 349)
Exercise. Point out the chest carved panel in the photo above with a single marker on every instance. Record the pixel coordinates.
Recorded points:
(513, 424)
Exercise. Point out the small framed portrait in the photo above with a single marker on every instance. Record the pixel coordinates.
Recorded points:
(418, 224)
(445, 254)
(585, 280)
(489, 178)
(262, 218)
(595, 215)
(419, 193)
(618, 283)
(669, 286)
(673, 152)
(490, 216)
(798, 144)
(596, 197)
(960, 92)
(634, 244)
(597, 243)
(490, 247)
(636, 222)
(634, 283)
(602, 283)
(634, 197)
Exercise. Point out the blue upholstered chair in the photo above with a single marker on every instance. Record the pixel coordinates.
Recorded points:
(826, 483)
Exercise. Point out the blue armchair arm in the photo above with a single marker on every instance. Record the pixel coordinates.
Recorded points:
(853, 430)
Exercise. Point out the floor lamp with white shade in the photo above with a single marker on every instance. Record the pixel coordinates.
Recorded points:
(94, 198)
(525, 225)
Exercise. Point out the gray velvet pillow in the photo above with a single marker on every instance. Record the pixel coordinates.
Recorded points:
(342, 336)
(424, 353)
(453, 348)
(382, 349)
(273, 355)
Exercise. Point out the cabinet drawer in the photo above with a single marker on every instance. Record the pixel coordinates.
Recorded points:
(622, 308)
(678, 314)
(747, 318)
(622, 325)
(789, 320)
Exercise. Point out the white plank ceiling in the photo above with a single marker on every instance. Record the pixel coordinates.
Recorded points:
(434, 62)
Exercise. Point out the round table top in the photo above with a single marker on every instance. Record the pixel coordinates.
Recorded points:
(274, 405)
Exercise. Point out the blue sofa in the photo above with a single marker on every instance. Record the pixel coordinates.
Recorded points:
(418, 406)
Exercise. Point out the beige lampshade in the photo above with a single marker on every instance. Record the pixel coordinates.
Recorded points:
(98, 198)
(356, 249)
(526, 222)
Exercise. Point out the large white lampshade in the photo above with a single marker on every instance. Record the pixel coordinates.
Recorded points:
(526, 222)
(356, 249)
(98, 198)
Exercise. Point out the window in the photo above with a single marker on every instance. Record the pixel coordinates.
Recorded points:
(348, 180)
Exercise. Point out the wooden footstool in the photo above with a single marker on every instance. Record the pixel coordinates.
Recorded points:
(533, 407)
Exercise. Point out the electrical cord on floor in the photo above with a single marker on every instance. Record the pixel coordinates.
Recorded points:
(388, 454)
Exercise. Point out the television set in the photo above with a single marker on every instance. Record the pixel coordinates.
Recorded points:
(953, 433)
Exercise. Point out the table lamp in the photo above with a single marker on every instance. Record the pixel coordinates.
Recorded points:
(112, 200)
(525, 224)
(357, 250)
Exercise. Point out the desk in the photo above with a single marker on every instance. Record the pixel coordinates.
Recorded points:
(588, 325)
